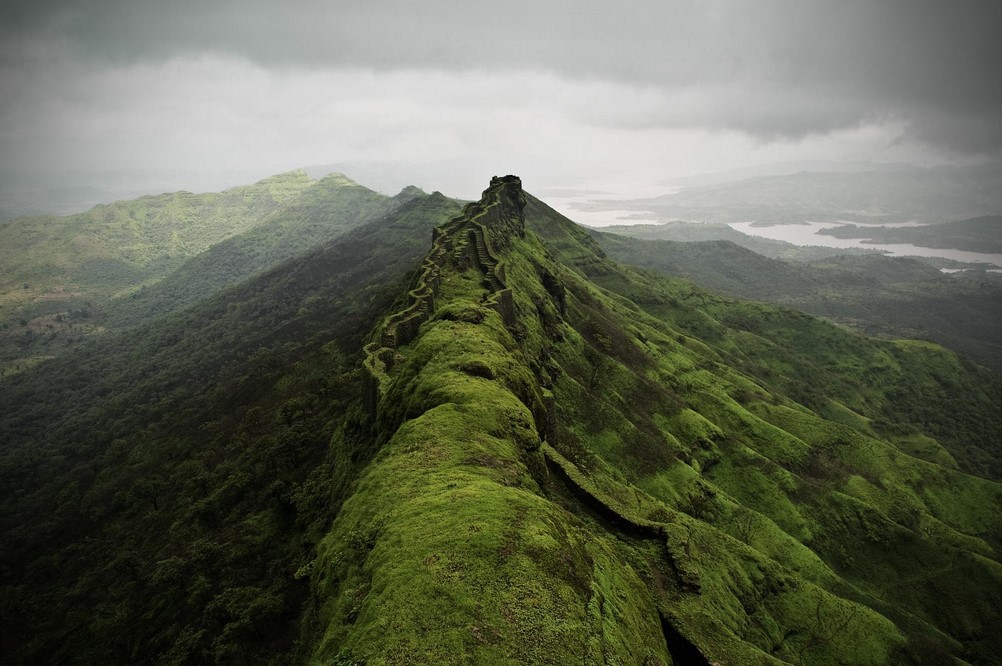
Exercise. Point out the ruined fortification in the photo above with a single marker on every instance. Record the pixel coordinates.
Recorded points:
(477, 237)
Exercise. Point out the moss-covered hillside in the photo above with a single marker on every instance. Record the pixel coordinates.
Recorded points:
(585, 464)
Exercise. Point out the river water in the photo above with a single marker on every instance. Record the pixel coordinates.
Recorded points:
(807, 234)
(797, 234)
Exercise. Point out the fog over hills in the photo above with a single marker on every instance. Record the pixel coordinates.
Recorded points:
(887, 196)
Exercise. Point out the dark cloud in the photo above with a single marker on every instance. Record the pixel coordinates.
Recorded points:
(772, 68)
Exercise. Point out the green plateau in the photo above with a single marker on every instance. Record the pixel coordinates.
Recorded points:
(467, 435)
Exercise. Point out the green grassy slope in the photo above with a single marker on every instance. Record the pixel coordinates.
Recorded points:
(449, 551)
(327, 209)
(767, 419)
(885, 296)
(112, 247)
(828, 528)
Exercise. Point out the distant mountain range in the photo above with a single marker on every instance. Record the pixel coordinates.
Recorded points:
(899, 194)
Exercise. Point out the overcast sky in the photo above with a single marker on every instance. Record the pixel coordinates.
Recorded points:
(445, 93)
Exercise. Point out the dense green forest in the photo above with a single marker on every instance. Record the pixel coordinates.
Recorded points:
(471, 436)
(188, 461)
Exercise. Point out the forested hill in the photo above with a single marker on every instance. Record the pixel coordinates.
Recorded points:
(499, 447)
(896, 297)
(65, 280)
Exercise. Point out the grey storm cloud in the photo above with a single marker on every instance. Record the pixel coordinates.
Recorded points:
(775, 69)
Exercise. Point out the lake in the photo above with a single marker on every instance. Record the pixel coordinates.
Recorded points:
(807, 234)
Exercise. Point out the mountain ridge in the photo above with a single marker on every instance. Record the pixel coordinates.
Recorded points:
(468, 435)
(432, 380)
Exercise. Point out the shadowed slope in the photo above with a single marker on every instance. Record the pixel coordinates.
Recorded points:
(886, 296)
(159, 490)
